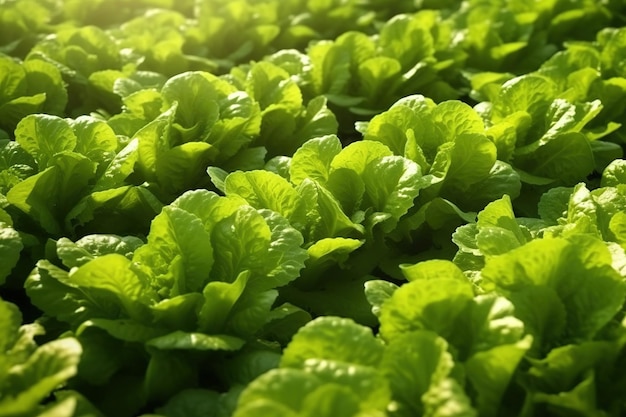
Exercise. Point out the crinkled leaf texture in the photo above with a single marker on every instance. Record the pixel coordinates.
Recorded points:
(564, 290)
(30, 373)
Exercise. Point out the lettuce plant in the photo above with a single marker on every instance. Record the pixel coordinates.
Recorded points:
(73, 172)
(90, 61)
(31, 86)
(344, 200)
(204, 283)
(451, 146)
(563, 212)
(287, 120)
(363, 75)
(312, 208)
(157, 36)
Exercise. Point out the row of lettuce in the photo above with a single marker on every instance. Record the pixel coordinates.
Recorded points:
(526, 320)
(223, 242)
(362, 55)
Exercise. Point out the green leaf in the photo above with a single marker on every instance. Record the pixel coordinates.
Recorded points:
(543, 314)
(399, 126)
(564, 366)
(95, 139)
(181, 167)
(49, 366)
(10, 247)
(318, 340)
(490, 322)
(433, 304)
(238, 125)
(49, 289)
(247, 159)
(614, 174)
(195, 341)
(490, 373)
(563, 117)
(553, 204)
(567, 157)
(330, 400)
(617, 226)
(394, 35)
(264, 408)
(285, 257)
(330, 71)
(123, 329)
(246, 366)
(110, 276)
(366, 382)
(265, 190)
(502, 179)
(377, 76)
(270, 85)
(498, 231)
(10, 321)
(432, 269)
(127, 209)
(179, 253)
(287, 388)
(331, 249)
(251, 313)
(49, 195)
(455, 118)
(31, 86)
(316, 121)
(446, 398)
(391, 184)
(506, 133)
(348, 188)
(605, 153)
(412, 363)
(283, 322)
(208, 206)
(239, 241)
(358, 155)
(471, 160)
(119, 168)
(154, 139)
(324, 389)
(378, 292)
(197, 109)
(179, 312)
(219, 299)
(15, 164)
(44, 136)
(530, 93)
(74, 254)
(324, 215)
(262, 242)
(591, 298)
(313, 159)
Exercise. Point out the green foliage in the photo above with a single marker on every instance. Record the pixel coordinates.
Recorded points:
(312, 208)
(32, 86)
(31, 372)
(204, 281)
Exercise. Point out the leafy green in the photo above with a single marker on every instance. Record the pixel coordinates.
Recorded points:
(32, 86)
(30, 373)
(203, 281)
(80, 174)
